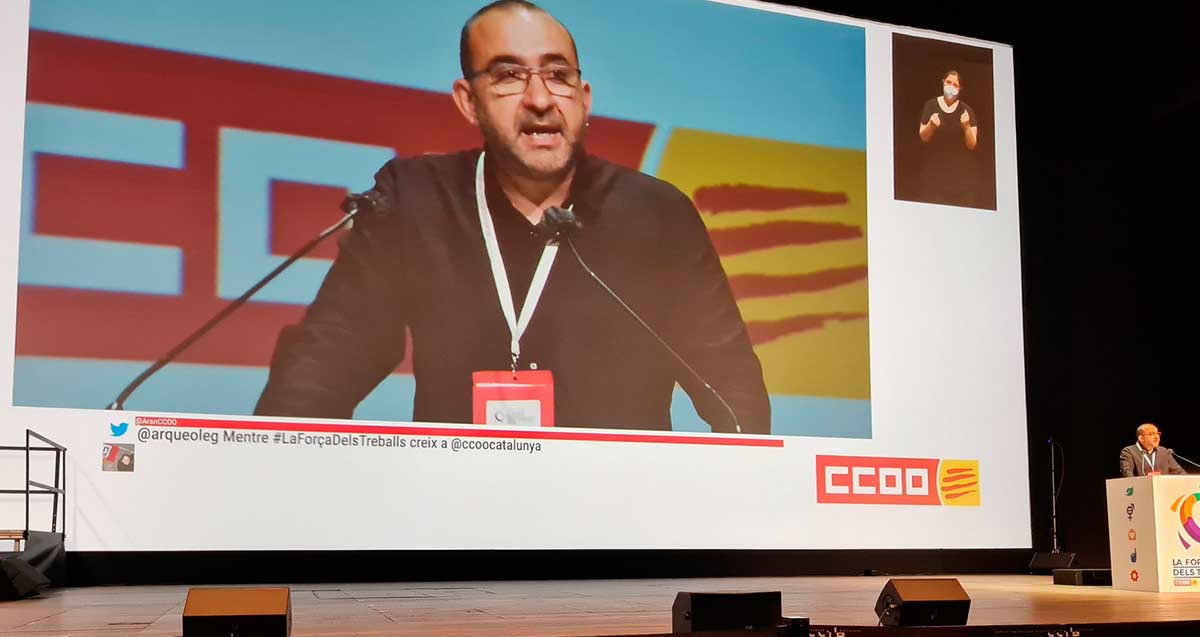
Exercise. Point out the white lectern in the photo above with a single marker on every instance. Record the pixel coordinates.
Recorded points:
(1154, 533)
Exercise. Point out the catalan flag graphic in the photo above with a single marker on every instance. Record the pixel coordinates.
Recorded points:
(958, 482)
(790, 224)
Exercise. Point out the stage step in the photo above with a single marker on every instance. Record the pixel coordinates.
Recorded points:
(1083, 576)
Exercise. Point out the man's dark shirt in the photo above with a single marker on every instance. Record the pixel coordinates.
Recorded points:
(424, 266)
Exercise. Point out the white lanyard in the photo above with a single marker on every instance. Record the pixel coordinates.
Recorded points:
(1149, 458)
(516, 324)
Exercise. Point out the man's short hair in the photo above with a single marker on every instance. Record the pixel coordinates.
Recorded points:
(464, 45)
(1144, 426)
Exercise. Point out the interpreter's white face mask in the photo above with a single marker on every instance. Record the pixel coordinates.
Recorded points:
(950, 91)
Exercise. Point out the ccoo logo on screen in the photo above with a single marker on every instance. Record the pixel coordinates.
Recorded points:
(922, 481)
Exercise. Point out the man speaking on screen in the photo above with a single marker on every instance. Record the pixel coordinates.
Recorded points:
(463, 261)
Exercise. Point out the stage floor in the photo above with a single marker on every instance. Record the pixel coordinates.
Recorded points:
(575, 607)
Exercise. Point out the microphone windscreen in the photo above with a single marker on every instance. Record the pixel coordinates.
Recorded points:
(370, 202)
(558, 224)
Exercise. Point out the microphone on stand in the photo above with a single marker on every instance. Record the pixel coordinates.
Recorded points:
(371, 201)
(558, 225)
(1191, 462)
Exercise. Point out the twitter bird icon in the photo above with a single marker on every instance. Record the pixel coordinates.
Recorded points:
(119, 430)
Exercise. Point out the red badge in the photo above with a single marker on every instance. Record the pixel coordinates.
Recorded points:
(523, 399)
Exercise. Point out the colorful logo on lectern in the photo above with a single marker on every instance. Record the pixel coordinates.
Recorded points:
(1185, 505)
(1129, 511)
(1132, 535)
(1133, 575)
(1129, 491)
(872, 480)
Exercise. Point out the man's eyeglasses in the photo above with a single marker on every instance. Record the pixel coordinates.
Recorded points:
(513, 79)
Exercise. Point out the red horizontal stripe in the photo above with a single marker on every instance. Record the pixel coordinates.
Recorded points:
(766, 331)
(729, 241)
(728, 197)
(959, 478)
(952, 496)
(752, 285)
(480, 431)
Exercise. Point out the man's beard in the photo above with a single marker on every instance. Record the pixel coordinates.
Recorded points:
(510, 159)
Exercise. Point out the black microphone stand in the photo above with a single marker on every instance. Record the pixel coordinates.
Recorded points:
(1047, 562)
(351, 206)
(557, 226)
(1053, 503)
(1191, 462)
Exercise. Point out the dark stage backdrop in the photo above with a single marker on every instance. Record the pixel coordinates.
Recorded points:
(1105, 102)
